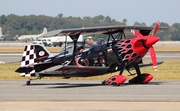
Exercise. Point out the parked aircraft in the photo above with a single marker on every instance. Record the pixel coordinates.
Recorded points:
(2, 37)
(26, 38)
(118, 55)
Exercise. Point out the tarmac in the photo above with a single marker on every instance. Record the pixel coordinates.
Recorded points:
(86, 95)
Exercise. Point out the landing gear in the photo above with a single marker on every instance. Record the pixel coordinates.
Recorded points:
(140, 78)
(29, 81)
(145, 78)
(114, 80)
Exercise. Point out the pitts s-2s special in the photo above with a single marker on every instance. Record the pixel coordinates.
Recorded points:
(118, 54)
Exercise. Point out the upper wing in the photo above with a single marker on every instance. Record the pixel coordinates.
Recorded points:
(98, 30)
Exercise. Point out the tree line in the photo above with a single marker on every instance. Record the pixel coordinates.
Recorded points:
(33, 24)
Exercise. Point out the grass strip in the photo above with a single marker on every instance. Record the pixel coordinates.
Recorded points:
(169, 70)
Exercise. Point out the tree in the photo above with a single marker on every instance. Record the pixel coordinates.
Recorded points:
(3, 19)
(31, 24)
(124, 21)
(139, 24)
(99, 18)
(107, 19)
(86, 18)
(176, 31)
(60, 15)
(136, 23)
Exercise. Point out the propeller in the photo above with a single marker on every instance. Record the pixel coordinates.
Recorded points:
(151, 49)
(149, 42)
(156, 27)
(153, 57)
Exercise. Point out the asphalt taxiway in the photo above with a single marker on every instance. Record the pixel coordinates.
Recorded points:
(84, 95)
(87, 90)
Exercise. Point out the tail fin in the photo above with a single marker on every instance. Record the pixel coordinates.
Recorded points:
(41, 52)
(0, 31)
(31, 55)
(27, 62)
(16, 37)
(44, 30)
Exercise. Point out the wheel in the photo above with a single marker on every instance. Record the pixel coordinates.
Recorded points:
(115, 84)
(104, 82)
(28, 82)
(49, 45)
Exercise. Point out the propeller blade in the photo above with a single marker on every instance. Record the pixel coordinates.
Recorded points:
(156, 27)
(136, 33)
(153, 57)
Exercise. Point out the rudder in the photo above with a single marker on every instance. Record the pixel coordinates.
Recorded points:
(0, 31)
(28, 60)
(32, 55)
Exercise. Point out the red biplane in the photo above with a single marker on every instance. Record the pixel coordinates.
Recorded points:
(118, 54)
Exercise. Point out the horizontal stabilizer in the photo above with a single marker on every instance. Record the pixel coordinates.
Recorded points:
(52, 69)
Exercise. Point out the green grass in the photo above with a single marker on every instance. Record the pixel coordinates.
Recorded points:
(7, 71)
(169, 70)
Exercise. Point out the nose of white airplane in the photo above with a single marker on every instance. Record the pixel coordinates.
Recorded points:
(20, 38)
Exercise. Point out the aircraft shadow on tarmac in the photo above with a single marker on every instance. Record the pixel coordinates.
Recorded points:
(41, 84)
(78, 85)
(66, 85)
(74, 85)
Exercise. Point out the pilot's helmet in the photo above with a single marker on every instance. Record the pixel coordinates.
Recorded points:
(79, 47)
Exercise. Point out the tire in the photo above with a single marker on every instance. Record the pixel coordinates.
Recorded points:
(104, 82)
(115, 84)
(28, 82)
(49, 45)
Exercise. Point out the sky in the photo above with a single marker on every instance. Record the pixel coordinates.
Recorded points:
(148, 11)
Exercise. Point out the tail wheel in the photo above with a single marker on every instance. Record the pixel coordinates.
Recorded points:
(28, 82)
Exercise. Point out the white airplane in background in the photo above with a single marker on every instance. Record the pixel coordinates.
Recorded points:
(31, 37)
(2, 37)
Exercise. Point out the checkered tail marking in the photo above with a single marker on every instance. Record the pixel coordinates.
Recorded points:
(28, 60)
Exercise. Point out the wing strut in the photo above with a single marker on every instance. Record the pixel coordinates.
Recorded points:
(65, 48)
(120, 35)
(74, 38)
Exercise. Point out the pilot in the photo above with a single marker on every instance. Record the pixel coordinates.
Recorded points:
(79, 48)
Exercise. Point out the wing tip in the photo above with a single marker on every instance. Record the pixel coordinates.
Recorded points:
(155, 68)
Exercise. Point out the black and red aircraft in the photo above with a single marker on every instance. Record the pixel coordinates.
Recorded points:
(119, 54)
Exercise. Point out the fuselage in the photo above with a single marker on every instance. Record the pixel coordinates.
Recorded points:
(100, 57)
